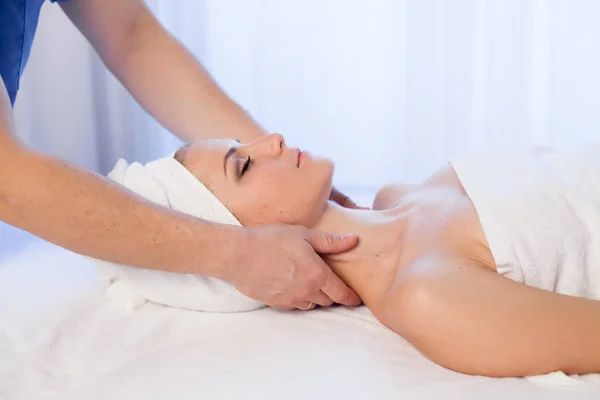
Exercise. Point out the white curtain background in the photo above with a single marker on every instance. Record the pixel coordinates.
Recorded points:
(388, 89)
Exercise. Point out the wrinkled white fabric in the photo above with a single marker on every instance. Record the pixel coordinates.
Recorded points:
(60, 338)
(540, 211)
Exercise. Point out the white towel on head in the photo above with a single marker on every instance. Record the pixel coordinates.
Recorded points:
(170, 184)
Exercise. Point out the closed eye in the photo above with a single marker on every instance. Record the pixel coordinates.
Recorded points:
(246, 166)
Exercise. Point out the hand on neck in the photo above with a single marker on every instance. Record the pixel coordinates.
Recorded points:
(380, 236)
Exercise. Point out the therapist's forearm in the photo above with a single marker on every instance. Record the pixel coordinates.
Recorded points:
(174, 88)
(84, 212)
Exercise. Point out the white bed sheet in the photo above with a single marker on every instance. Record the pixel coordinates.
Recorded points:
(60, 338)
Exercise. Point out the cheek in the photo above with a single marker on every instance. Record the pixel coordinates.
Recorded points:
(281, 195)
(273, 197)
(261, 198)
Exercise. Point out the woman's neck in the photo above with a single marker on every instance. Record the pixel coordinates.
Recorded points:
(368, 266)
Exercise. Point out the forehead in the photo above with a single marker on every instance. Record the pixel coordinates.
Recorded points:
(211, 148)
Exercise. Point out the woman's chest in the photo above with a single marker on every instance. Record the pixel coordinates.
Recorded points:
(443, 221)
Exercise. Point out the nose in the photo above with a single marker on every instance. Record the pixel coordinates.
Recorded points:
(272, 145)
(276, 143)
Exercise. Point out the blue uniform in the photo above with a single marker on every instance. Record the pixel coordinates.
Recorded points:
(18, 23)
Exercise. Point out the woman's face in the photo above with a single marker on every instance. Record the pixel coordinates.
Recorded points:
(262, 182)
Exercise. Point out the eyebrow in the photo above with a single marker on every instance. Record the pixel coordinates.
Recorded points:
(229, 153)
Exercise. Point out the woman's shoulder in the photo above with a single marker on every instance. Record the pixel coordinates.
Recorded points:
(445, 177)
(390, 195)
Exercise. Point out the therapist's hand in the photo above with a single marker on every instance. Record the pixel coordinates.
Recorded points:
(279, 266)
(344, 200)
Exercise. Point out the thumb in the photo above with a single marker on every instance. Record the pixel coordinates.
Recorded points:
(330, 243)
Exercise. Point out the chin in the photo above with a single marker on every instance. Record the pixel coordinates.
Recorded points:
(321, 178)
(326, 174)
(326, 167)
(326, 186)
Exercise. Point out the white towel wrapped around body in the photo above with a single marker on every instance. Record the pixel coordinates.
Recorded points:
(540, 211)
(168, 183)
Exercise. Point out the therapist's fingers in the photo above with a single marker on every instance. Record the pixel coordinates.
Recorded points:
(344, 200)
(336, 290)
(322, 299)
(341, 198)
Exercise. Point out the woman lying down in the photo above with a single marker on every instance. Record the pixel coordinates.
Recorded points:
(490, 267)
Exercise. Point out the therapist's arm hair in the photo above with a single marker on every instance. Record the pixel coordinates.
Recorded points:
(470, 319)
(86, 213)
(159, 72)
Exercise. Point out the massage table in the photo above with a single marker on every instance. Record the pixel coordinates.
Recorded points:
(60, 338)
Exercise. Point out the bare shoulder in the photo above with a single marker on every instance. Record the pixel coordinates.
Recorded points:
(415, 284)
(434, 265)
(446, 177)
(388, 196)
